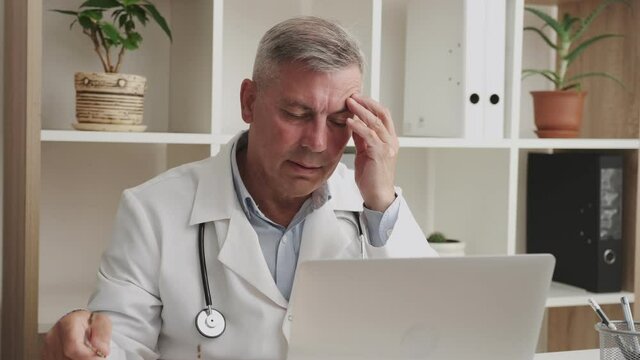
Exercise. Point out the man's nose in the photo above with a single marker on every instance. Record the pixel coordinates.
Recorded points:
(315, 135)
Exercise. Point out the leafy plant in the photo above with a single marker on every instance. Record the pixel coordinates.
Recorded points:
(111, 25)
(437, 237)
(569, 46)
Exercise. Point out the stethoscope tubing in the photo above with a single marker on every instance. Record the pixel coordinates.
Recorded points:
(203, 267)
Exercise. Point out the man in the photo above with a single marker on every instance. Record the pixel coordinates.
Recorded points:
(275, 196)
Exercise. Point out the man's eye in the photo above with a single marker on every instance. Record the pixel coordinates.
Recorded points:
(339, 121)
(295, 115)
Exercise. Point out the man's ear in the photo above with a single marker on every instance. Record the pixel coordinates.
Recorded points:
(248, 92)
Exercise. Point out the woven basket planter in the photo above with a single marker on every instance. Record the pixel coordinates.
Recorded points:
(109, 102)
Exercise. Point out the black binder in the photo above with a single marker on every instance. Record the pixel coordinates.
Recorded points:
(574, 211)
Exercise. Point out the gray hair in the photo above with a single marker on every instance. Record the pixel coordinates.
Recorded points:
(319, 44)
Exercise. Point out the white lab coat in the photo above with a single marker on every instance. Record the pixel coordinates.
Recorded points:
(149, 281)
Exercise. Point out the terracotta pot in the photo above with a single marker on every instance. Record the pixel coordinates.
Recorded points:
(109, 102)
(558, 114)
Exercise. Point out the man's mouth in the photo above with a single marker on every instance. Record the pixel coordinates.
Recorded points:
(306, 166)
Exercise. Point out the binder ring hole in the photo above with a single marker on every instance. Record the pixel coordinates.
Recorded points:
(494, 99)
(609, 256)
(474, 98)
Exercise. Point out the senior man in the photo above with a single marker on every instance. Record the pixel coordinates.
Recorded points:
(274, 196)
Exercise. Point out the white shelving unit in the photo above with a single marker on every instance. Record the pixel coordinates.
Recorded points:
(470, 189)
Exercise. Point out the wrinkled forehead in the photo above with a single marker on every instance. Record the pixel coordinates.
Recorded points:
(281, 72)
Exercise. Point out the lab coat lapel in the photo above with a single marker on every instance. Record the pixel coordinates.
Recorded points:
(242, 254)
(240, 250)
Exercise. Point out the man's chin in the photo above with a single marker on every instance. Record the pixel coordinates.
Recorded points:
(303, 187)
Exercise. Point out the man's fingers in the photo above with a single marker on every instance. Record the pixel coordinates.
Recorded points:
(370, 119)
(366, 134)
(79, 335)
(378, 110)
(71, 331)
(100, 334)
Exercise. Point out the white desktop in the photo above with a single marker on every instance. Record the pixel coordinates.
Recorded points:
(591, 354)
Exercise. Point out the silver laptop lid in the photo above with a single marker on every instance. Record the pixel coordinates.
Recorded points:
(484, 307)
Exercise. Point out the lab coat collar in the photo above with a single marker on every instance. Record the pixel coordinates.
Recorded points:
(215, 196)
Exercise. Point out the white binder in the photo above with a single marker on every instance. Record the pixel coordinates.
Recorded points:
(495, 41)
(474, 67)
(455, 58)
(433, 69)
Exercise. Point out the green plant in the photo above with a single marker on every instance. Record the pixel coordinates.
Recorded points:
(115, 29)
(569, 46)
(437, 237)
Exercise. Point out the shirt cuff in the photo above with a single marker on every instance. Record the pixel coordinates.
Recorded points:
(380, 224)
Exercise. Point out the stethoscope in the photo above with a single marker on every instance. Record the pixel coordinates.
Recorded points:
(209, 321)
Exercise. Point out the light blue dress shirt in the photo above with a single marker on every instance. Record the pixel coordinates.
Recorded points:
(281, 245)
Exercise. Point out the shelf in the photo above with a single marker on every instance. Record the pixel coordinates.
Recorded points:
(405, 141)
(561, 295)
(550, 2)
(420, 142)
(623, 144)
(133, 137)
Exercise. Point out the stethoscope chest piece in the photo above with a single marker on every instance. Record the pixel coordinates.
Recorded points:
(210, 323)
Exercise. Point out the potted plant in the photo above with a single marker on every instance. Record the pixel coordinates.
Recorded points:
(558, 113)
(111, 101)
(445, 246)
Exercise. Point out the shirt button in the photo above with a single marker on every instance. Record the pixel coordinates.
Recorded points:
(284, 239)
(389, 232)
(290, 317)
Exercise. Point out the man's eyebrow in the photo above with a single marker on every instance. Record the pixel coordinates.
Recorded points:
(297, 104)
(306, 108)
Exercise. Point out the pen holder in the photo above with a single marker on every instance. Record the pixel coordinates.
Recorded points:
(620, 344)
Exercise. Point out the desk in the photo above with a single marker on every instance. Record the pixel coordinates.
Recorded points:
(593, 354)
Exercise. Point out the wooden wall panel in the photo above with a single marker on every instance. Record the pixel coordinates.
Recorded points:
(22, 68)
(572, 328)
(610, 111)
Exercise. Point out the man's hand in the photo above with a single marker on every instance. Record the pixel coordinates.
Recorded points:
(376, 151)
(78, 335)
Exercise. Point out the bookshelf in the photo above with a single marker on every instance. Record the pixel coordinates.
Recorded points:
(68, 182)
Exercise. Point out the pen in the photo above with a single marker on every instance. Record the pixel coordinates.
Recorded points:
(628, 317)
(603, 317)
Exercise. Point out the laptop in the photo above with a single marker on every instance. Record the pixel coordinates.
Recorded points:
(474, 307)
